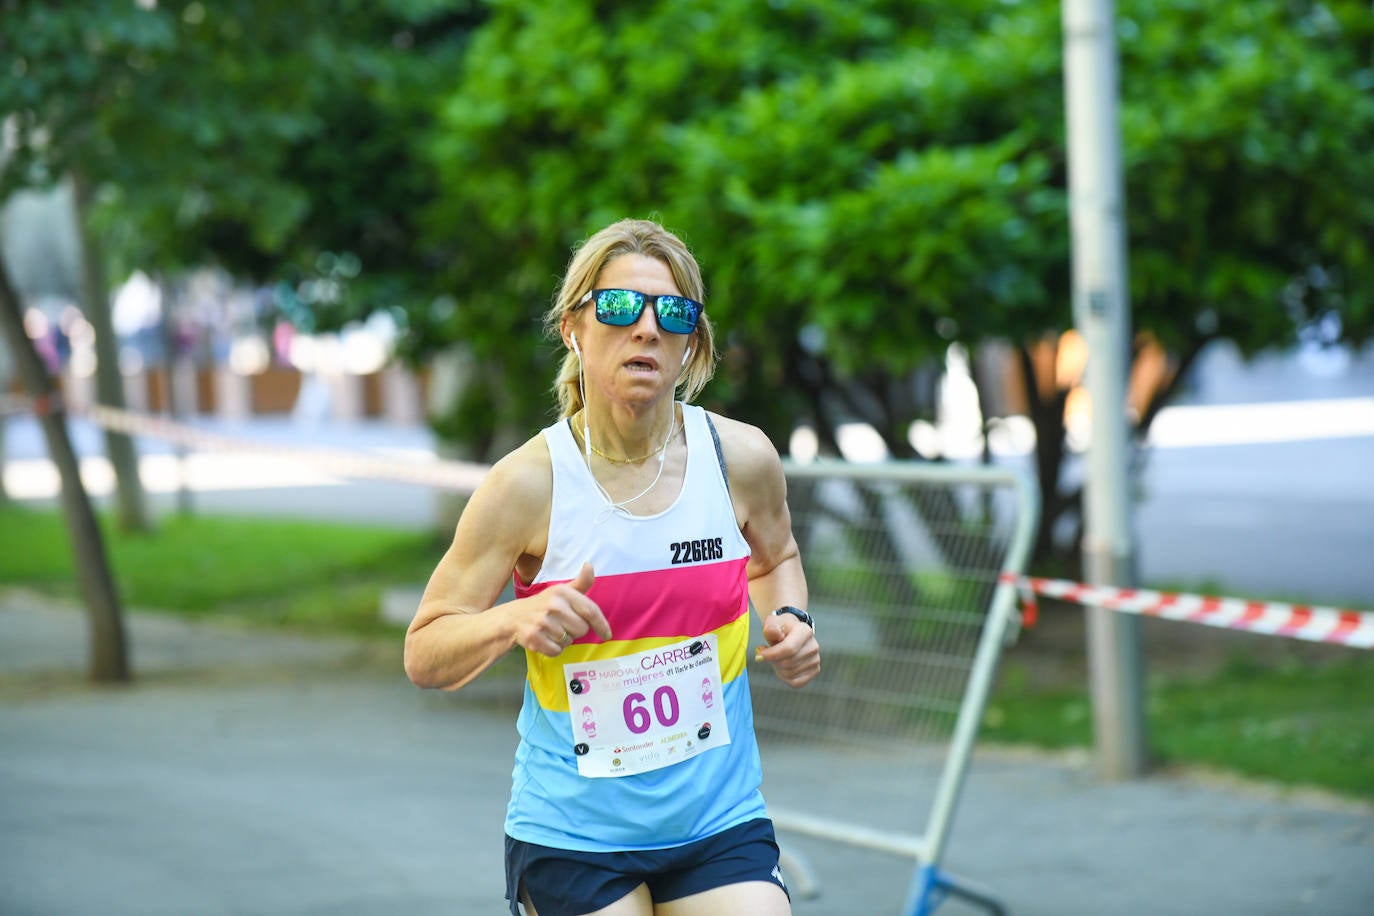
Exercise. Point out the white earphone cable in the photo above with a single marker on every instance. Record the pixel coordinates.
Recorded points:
(587, 446)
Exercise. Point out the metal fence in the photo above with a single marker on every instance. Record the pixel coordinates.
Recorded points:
(905, 564)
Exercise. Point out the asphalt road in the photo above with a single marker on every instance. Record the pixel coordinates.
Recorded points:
(246, 773)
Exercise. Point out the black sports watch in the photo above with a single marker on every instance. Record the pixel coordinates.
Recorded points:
(797, 613)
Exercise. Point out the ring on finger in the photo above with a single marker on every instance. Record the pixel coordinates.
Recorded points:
(566, 639)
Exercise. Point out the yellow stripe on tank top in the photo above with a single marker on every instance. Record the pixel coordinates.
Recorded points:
(546, 674)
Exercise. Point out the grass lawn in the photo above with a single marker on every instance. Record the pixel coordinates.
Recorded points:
(1289, 721)
(305, 575)
(1299, 724)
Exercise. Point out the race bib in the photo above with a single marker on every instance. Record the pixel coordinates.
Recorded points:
(646, 711)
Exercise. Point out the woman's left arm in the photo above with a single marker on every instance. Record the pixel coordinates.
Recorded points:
(776, 578)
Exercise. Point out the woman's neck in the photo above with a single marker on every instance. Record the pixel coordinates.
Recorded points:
(623, 437)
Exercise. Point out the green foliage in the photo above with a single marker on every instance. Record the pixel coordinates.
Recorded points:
(786, 142)
(892, 176)
(250, 134)
(1250, 194)
(60, 65)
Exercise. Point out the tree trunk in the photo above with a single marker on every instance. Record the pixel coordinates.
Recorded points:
(172, 396)
(109, 658)
(1161, 396)
(4, 494)
(1047, 415)
(109, 381)
(4, 389)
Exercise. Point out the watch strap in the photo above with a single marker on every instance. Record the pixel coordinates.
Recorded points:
(797, 613)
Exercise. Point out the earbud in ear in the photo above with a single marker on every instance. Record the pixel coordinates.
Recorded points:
(686, 356)
(573, 337)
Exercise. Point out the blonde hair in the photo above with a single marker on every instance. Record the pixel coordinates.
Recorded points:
(630, 236)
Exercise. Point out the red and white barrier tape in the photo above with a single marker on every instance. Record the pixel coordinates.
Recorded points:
(452, 475)
(1274, 618)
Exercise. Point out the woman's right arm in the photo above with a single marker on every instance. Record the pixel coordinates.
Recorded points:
(458, 631)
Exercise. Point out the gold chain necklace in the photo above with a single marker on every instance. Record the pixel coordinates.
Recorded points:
(600, 454)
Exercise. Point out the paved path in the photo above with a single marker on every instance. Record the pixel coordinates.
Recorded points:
(251, 773)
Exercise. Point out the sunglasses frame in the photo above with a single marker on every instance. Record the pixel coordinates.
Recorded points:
(645, 300)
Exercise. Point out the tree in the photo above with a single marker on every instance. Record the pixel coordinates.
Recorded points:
(4, 388)
(570, 115)
(300, 134)
(109, 656)
(44, 99)
(65, 66)
(865, 182)
(38, 248)
(188, 129)
(1247, 189)
(248, 134)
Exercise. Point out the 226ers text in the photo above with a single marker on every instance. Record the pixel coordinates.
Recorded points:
(697, 550)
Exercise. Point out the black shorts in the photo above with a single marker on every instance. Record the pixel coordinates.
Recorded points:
(564, 882)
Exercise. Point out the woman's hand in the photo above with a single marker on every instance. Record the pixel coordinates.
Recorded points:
(558, 616)
(792, 649)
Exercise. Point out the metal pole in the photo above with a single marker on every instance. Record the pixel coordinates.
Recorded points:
(1102, 316)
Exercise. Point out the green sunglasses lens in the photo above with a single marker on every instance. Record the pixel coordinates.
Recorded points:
(677, 315)
(619, 307)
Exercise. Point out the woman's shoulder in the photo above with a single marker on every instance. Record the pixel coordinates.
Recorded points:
(748, 450)
(524, 476)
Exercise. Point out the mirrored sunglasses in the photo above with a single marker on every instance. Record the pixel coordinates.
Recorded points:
(622, 308)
